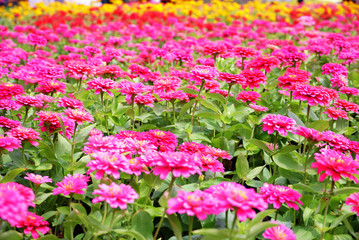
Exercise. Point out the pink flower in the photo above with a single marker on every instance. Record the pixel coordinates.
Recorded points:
(9, 143)
(309, 133)
(36, 40)
(271, 146)
(30, 101)
(37, 179)
(235, 196)
(231, 78)
(197, 203)
(147, 99)
(70, 103)
(214, 48)
(72, 184)
(337, 141)
(102, 85)
(334, 69)
(174, 95)
(349, 91)
(100, 143)
(165, 141)
(108, 163)
(263, 63)
(258, 108)
(117, 196)
(353, 200)
(210, 163)
(335, 164)
(292, 77)
(248, 96)
(252, 79)
(200, 74)
(8, 123)
(277, 195)
(14, 201)
(191, 147)
(51, 86)
(7, 90)
(280, 232)
(180, 164)
(25, 134)
(166, 84)
(315, 95)
(51, 121)
(282, 124)
(339, 81)
(216, 152)
(347, 106)
(244, 52)
(336, 113)
(33, 224)
(10, 105)
(79, 115)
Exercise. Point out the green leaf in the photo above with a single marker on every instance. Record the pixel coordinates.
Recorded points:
(319, 125)
(259, 143)
(62, 147)
(213, 181)
(49, 237)
(189, 90)
(84, 133)
(287, 149)
(242, 166)
(286, 161)
(46, 151)
(210, 115)
(209, 105)
(216, 96)
(346, 190)
(254, 172)
(9, 177)
(342, 237)
(43, 167)
(42, 197)
(296, 118)
(11, 235)
(142, 222)
(259, 228)
(176, 226)
(339, 219)
(303, 187)
(185, 107)
(261, 215)
(131, 233)
(213, 232)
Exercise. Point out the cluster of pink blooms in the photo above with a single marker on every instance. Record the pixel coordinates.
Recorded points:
(279, 123)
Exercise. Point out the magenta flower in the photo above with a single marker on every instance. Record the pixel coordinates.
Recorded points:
(280, 123)
(336, 113)
(200, 74)
(108, 163)
(197, 203)
(9, 143)
(72, 184)
(37, 179)
(353, 200)
(277, 195)
(335, 164)
(258, 108)
(346, 105)
(235, 196)
(280, 232)
(179, 163)
(252, 79)
(30, 101)
(102, 85)
(8, 123)
(315, 95)
(33, 224)
(117, 196)
(51, 86)
(25, 134)
(79, 115)
(349, 91)
(8, 90)
(70, 103)
(36, 40)
(248, 96)
(210, 163)
(309, 133)
(164, 140)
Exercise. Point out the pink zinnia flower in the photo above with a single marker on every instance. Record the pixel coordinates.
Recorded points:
(334, 69)
(349, 91)
(252, 79)
(347, 106)
(335, 164)
(353, 200)
(174, 95)
(108, 163)
(72, 184)
(37, 179)
(309, 133)
(8, 123)
(248, 96)
(339, 81)
(191, 147)
(336, 113)
(7, 90)
(70, 103)
(166, 84)
(216, 152)
(117, 196)
(210, 163)
(165, 141)
(36, 40)
(337, 141)
(9, 143)
(33, 224)
(100, 143)
(197, 203)
(235, 196)
(30, 101)
(231, 78)
(263, 63)
(277, 195)
(200, 74)
(10, 105)
(244, 52)
(14, 201)
(25, 134)
(280, 123)
(102, 85)
(315, 95)
(258, 108)
(79, 115)
(280, 232)
(179, 163)
(51, 86)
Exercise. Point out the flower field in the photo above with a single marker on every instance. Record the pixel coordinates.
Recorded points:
(179, 121)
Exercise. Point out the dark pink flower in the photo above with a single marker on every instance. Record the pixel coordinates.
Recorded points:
(25, 134)
(51, 86)
(280, 123)
(8, 123)
(277, 195)
(258, 108)
(252, 79)
(336, 113)
(346, 105)
(248, 96)
(349, 91)
(79, 115)
(72, 184)
(315, 95)
(10, 104)
(8, 90)
(165, 141)
(70, 103)
(335, 164)
(117, 196)
(33, 224)
(280, 232)
(9, 143)
(102, 85)
(36, 40)
(37, 179)
(353, 200)
(309, 133)
(30, 101)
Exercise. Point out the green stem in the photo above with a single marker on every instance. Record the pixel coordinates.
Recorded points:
(252, 134)
(276, 215)
(233, 224)
(308, 111)
(112, 218)
(71, 225)
(197, 100)
(229, 92)
(320, 113)
(73, 145)
(275, 141)
(133, 112)
(190, 227)
(174, 113)
(306, 162)
(165, 209)
(26, 112)
(105, 213)
(326, 210)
